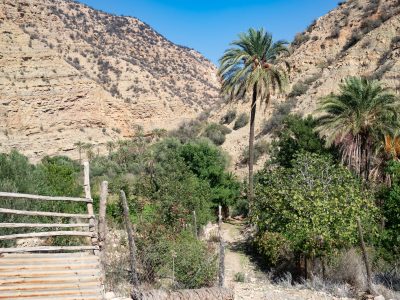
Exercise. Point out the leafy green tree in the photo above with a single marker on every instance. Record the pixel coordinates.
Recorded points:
(311, 207)
(253, 66)
(297, 134)
(391, 210)
(357, 120)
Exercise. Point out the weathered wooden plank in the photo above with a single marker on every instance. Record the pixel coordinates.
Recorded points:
(44, 273)
(44, 286)
(46, 234)
(48, 255)
(42, 225)
(43, 213)
(42, 261)
(48, 248)
(76, 297)
(50, 280)
(68, 266)
(24, 294)
(45, 198)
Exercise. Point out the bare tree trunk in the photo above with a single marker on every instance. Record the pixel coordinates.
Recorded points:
(250, 193)
(102, 213)
(221, 273)
(132, 246)
(365, 258)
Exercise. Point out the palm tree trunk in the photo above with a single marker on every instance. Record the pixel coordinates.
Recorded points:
(250, 193)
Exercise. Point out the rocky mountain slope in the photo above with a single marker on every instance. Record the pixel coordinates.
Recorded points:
(71, 74)
(359, 37)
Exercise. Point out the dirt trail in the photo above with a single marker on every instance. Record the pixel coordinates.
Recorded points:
(256, 285)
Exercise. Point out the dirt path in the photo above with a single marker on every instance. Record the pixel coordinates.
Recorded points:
(256, 284)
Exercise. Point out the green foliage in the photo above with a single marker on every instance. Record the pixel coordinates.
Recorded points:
(391, 210)
(273, 246)
(298, 89)
(312, 205)
(241, 121)
(297, 134)
(357, 119)
(239, 277)
(261, 147)
(228, 117)
(275, 122)
(188, 259)
(216, 133)
(253, 60)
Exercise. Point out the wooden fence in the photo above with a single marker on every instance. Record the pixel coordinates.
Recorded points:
(52, 272)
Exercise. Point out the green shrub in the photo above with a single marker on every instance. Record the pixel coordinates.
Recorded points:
(298, 89)
(241, 121)
(228, 117)
(194, 263)
(296, 134)
(239, 277)
(260, 148)
(313, 205)
(216, 133)
(273, 246)
(275, 123)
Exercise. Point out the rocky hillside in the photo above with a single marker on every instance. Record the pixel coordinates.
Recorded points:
(359, 37)
(71, 74)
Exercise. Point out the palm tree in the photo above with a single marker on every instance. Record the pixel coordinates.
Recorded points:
(357, 120)
(253, 66)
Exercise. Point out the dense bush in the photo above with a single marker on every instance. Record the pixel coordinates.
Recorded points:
(297, 134)
(310, 208)
(241, 121)
(228, 117)
(216, 133)
(298, 89)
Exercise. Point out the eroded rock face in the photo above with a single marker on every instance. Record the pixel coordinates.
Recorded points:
(358, 38)
(71, 74)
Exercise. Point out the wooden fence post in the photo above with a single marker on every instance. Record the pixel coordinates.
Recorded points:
(102, 214)
(195, 224)
(365, 257)
(132, 246)
(221, 273)
(88, 195)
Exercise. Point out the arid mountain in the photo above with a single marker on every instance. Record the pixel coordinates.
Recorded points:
(359, 37)
(71, 74)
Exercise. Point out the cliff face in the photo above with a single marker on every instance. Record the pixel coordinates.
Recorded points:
(71, 74)
(358, 38)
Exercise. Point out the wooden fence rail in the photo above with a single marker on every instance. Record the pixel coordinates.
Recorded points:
(44, 198)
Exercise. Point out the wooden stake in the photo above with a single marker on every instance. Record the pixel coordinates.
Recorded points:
(365, 257)
(88, 195)
(102, 214)
(132, 246)
(221, 273)
(195, 224)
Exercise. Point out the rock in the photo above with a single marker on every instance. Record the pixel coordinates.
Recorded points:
(380, 297)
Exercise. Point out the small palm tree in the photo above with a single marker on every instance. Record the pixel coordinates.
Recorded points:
(253, 66)
(357, 120)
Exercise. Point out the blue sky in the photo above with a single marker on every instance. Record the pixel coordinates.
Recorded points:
(209, 26)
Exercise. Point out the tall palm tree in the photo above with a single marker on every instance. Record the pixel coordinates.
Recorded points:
(253, 66)
(357, 120)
